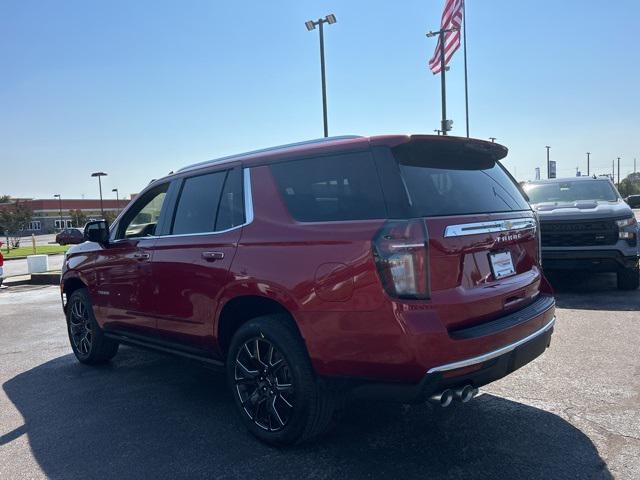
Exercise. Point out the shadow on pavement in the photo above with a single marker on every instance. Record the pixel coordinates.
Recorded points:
(591, 291)
(150, 416)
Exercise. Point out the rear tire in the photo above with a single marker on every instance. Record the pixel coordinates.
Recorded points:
(88, 342)
(273, 384)
(629, 279)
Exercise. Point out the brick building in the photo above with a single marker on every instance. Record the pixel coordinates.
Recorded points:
(50, 215)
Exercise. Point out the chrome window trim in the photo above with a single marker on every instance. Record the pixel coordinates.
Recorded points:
(495, 353)
(507, 225)
(248, 197)
(248, 215)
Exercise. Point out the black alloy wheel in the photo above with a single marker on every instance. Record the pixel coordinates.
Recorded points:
(80, 328)
(264, 384)
(88, 342)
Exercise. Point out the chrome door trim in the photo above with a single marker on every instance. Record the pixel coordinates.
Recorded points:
(507, 225)
(495, 353)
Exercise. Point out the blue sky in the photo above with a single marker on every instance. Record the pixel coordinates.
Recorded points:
(139, 88)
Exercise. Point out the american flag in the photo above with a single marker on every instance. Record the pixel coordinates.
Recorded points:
(451, 18)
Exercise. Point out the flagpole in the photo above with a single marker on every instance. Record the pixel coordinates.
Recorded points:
(466, 85)
(443, 84)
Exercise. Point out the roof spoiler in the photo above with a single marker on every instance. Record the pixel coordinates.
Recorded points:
(456, 153)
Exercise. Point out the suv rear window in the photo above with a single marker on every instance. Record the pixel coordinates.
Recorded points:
(453, 185)
(339, 187)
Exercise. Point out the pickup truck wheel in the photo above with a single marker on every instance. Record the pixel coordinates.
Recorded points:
(273, 384)
(629, 279)
(89, 344)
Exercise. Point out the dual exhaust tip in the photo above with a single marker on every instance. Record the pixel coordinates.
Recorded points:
(446, 397)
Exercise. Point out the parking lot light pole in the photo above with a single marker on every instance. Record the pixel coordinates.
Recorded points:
(99, 175)
(117, 200)
(493, 139)
(548, 164)
(57, 195)
(588, 155)
(311, 25)
(618, 172)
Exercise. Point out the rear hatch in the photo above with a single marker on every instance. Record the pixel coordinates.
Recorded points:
(482, 246)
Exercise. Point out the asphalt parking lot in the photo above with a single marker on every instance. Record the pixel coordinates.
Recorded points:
(573, 413)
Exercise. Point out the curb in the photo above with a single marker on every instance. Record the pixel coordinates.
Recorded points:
(47, 278)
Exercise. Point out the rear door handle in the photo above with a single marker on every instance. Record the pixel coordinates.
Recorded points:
(212, 256)
(141, 256)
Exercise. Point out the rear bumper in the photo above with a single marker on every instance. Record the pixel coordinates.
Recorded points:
(477, 371)
(590, 260)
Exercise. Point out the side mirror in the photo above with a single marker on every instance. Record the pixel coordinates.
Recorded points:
(97, 231)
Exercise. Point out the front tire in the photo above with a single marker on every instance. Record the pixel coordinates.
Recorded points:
(278, 396)
(629, 278)
(89, 344)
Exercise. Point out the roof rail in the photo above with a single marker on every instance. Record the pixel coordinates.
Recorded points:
(268, 149)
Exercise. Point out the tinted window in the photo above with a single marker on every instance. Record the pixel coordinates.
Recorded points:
(198, 204)
(439, 191)
(438, 181)
(341, 187)
(142, 218)
(571, 191)
(231, 210)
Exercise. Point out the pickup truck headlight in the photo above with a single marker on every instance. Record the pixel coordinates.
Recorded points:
(625, 222)
(628, 229)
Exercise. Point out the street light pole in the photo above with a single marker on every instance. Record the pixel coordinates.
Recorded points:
(548, 164)
(311, 25)
(100, 175)
(57, 195)
(618, 172)
(117, 200)
(613, 170)
(493, 139)
(588, 155)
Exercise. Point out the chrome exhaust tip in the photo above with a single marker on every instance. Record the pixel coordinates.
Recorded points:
(443, 398)
(466, 393)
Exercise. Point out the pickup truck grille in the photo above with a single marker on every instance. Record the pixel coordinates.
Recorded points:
(579, 234)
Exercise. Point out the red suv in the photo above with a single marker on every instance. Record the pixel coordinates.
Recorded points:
(401, 267)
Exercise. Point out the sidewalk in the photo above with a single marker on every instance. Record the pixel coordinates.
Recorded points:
(17, 267)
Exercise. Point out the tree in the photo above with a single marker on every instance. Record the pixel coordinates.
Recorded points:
(630, 185)
(5, 199)
(109, 216)
(13, 220)
(78, 217)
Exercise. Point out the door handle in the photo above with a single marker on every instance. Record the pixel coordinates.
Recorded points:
(212, 256)
(141, 256)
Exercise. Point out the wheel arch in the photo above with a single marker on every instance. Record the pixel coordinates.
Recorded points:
(242, 308)
(70, 285)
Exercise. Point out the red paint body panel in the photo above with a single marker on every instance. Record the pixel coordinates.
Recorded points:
(187, 287)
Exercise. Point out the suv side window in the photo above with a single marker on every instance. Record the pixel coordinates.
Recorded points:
(331, 188)
(231, 209)
(198, 203)
(142, 218)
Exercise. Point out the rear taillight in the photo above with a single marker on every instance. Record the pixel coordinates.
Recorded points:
(1, 260)
(400, 249)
